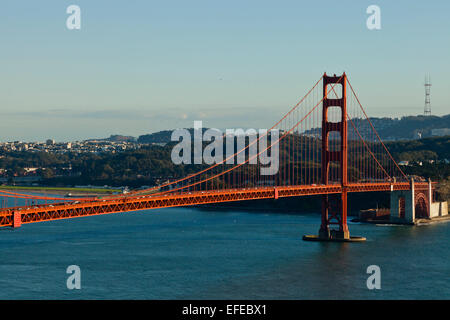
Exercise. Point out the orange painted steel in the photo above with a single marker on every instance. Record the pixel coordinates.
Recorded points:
(57, 211)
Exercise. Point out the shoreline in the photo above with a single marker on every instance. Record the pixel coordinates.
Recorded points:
(418, 222)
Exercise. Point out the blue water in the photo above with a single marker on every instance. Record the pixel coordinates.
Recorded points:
(186, 253)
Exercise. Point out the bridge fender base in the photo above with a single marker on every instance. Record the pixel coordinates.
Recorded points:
(319, 239)
(324, 233)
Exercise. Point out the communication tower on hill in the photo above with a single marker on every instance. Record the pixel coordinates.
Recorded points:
(427, 109)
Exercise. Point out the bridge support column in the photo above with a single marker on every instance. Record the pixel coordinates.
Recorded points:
(410, 208)
(334, 212)
(343, 232)
(324, 231)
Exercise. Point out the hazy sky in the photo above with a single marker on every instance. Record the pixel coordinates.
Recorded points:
(142, 66)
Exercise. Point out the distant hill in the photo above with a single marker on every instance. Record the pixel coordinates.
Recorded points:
(410, 127)
(157, 137)
(405, 128)
(120, 138)
(436, 148)
(115, 138)
(161, 136)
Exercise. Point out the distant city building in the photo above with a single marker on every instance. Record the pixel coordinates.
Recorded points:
(50, 141)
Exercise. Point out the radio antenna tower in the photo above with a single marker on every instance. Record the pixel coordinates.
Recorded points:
(427, 109)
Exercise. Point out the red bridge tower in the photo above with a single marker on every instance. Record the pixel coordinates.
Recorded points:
(334, 211)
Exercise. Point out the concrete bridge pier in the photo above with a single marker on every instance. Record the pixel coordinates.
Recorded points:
(409, 206)
(402, 205)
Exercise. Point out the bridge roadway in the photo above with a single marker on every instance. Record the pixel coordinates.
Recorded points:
(16, 216)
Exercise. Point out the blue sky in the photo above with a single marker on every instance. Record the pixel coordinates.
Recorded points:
(143, 66)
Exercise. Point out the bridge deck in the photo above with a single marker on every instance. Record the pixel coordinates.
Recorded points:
(66, 210)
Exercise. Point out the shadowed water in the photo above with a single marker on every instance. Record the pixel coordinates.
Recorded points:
(185, 253)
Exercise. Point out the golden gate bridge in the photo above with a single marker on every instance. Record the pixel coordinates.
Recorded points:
(327, 146)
